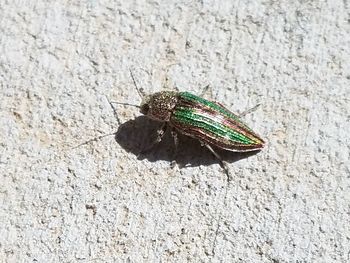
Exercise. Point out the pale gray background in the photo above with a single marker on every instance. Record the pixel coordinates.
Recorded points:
(61, 60)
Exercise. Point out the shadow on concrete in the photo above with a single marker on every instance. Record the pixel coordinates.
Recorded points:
(136, 135)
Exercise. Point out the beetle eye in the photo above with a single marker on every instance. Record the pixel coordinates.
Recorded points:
(144, 109)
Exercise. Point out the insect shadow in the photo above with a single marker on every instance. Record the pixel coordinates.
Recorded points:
(137, 134)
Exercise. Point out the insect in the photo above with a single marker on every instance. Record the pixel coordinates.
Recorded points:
(207, 121)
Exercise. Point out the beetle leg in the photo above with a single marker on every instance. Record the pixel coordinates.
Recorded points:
(176, 144)
(248, 111)
(160, 134)
(222, 164)
(205, 89)
(234, 113)
(176, 139)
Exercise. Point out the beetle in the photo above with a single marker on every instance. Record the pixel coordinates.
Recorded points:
(210, 122)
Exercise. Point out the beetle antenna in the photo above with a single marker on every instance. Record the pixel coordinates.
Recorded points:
(124, 103)
(139, 91)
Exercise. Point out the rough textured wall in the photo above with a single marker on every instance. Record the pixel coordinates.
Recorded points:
(61, 62)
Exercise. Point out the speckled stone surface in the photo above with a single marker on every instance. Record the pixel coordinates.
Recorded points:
(60, 65)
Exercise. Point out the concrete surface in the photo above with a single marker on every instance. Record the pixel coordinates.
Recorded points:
(101, 202)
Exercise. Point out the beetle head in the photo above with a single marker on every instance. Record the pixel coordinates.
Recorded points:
(159, 105)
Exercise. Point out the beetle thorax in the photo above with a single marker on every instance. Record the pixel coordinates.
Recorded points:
(159, 106)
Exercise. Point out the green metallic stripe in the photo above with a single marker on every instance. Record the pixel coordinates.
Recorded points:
(210, 125)
(214, 106)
